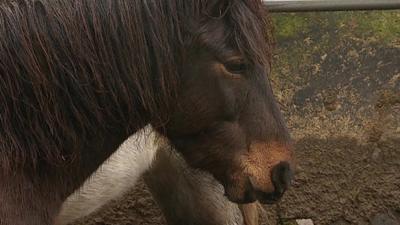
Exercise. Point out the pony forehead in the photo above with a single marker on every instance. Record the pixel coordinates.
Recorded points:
(243, 25)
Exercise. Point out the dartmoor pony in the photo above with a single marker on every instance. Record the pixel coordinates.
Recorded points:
(186, 196)
(78, 77)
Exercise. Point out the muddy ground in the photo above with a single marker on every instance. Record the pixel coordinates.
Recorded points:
(337, 77)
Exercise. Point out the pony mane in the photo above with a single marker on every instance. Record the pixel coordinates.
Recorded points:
(71, 69)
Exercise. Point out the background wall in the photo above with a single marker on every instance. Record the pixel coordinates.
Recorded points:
(337, 77)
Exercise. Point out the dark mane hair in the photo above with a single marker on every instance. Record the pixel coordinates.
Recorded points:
(72, 68)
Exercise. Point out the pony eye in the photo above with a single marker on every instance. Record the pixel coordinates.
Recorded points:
(236, 67)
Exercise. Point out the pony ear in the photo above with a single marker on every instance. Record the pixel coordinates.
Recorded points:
(218, 8)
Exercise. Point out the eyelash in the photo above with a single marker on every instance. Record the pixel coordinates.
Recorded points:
(236, 67)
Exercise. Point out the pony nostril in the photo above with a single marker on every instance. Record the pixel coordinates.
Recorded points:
(281, 176)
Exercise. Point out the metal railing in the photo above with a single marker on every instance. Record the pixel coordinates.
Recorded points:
(329, 5)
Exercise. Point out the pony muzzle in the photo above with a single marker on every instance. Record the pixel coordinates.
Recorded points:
(281, 177)
(267, 175)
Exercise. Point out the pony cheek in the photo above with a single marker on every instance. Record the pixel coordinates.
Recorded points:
(191, 150)
(217, 151)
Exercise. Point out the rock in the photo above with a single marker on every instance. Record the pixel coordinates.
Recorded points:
(340, 222)
(384, 219)
(376, 153)
(305, 222)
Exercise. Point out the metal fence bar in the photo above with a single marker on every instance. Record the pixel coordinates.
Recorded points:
(329, 5)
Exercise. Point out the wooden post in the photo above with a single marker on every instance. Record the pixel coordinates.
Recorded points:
(329, 5)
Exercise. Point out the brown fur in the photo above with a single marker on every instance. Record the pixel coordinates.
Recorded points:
(73, 69)
(78, 77)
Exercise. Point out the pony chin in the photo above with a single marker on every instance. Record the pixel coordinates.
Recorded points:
(239, 190)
